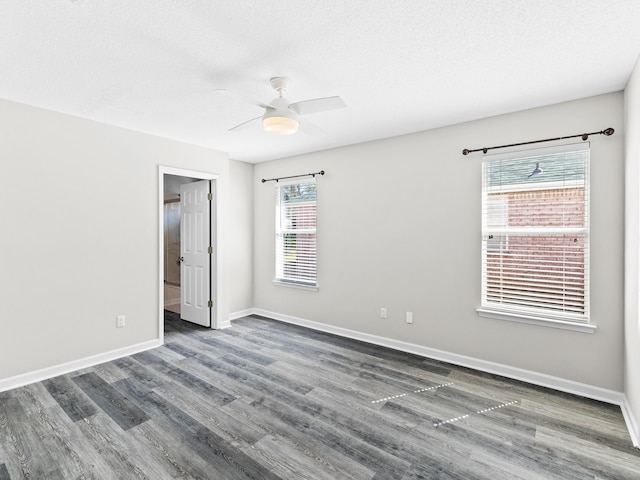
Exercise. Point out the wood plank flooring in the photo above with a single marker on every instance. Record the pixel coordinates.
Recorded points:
(266, 400)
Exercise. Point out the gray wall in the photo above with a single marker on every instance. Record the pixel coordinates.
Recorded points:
(632, 246)
(76, 255)
(399, 223)
(241, 236)
(399, 227)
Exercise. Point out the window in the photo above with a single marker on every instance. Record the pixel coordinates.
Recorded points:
(535, 234)
(296, 233)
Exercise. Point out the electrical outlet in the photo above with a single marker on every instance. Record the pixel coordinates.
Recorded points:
(383, 312)
(409, 317)
(120, 322)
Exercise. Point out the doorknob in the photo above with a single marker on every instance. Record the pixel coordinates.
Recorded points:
(179, 260)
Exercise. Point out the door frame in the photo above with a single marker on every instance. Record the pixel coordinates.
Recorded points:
(215, 227)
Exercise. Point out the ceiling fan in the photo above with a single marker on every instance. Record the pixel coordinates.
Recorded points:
(281, 117)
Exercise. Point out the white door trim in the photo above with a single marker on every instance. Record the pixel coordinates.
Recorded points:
(216, 273)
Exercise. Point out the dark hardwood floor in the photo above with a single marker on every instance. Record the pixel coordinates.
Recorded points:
(266, 400)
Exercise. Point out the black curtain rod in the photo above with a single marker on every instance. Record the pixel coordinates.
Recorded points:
(321, 172)
(609, 131)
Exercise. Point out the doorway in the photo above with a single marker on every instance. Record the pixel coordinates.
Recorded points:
(171, 251)
(172, 281)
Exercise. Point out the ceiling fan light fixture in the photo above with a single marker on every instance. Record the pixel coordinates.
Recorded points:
(280, 125)
(280, 120)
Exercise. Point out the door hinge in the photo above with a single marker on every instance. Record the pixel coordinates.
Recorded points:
(210, 250)
(210, 304)
(210, 196)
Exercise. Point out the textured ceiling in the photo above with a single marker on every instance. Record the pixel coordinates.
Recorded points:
(400, 66)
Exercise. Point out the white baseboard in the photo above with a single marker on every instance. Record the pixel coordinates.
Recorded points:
(632, 424)
(224, 324)
(50, 372)
(241, 313)
(528, 376)
(541, 379)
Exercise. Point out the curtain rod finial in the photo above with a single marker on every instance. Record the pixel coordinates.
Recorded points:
(465, 151)
(609, 131)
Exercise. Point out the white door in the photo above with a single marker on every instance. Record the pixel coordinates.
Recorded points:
(195, 243)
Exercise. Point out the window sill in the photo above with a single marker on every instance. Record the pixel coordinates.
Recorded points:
(532, 320)
(300, 286)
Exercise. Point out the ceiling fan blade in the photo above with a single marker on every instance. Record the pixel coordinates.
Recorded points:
(244, 125)
(317, 105)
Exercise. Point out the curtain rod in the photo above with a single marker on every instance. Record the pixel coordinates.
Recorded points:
(609, 131)
(321, 172)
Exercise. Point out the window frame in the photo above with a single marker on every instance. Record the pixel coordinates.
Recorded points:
(280, 231)
(534, 315)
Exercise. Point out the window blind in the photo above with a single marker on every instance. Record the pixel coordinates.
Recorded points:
(535, 232)
(296, 232)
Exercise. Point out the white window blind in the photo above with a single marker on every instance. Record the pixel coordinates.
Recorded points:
(535, 233)
(296, 233)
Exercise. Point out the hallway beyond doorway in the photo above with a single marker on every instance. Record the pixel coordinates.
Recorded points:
(172, 298)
